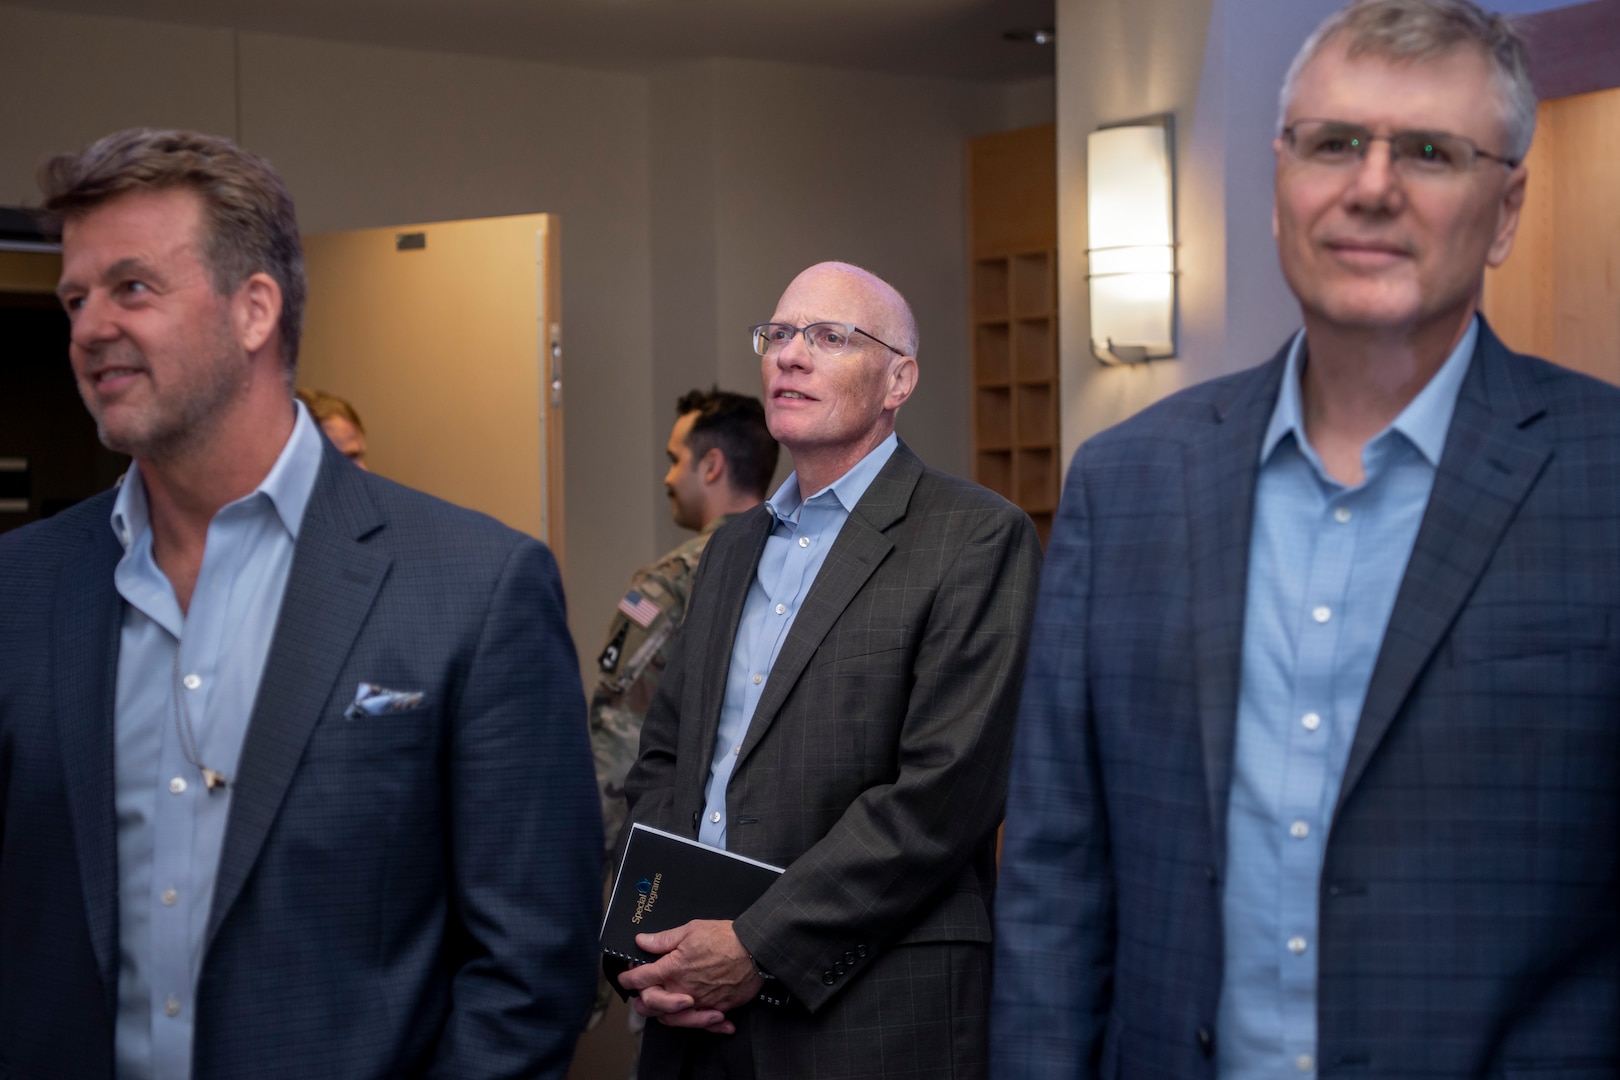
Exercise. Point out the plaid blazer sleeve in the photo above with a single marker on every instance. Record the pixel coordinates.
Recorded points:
(1055, 902)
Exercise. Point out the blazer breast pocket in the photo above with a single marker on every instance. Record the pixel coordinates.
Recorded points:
(1527, 634)
(858, 643)
(367, 728)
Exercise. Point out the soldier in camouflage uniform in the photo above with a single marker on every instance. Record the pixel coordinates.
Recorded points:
(722, 458)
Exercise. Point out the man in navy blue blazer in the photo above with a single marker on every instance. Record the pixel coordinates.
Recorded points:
(1318, 761)
(293, 770)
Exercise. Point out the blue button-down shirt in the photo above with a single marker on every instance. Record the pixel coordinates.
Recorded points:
(1325, 563)
(799, 542)
(170, 828)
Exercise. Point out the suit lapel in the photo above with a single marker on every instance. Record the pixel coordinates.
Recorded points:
(88, 619)
(731, 575)
(1223, 466)
(1490, 463)
(855, 555)
(330, 589)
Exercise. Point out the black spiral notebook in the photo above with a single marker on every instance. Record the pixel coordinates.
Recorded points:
(665, 881)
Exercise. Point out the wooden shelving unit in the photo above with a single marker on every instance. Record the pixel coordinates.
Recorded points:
(1012, 196)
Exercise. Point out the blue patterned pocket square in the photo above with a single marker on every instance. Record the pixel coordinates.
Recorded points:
(373, 700)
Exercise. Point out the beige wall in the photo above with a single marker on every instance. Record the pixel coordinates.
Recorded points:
(667, 210)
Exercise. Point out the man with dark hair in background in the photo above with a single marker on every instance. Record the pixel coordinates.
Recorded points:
(721, 460)
(292, 781)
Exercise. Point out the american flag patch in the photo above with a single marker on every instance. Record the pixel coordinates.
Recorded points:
(640, 609)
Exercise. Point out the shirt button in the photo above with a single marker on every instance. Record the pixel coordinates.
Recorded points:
(758, 678)
(1304, 1063)
(192, 681)
(715, 817)
(1342, 516)
(169, 897)
(178, 785)
(1322, 613)
(171, 1007)
(736, 751)
(1299, 830)
(781, 609)
(804, 541)
(1296, 945)
(1311, 721)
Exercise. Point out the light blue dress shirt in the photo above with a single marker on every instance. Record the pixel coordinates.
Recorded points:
(794, 552)
(170, 827)
(1325, 564)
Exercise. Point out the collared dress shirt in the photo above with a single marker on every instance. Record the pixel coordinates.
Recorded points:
(794, 553)
(170, 827)
(1325, 564)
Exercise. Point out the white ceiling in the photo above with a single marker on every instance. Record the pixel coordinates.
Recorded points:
(954, 38)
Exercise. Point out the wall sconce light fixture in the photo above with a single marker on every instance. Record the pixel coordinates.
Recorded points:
(1130, 200)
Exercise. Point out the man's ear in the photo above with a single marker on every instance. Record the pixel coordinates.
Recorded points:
(712, 466)
(256, 310)
(1507, 219)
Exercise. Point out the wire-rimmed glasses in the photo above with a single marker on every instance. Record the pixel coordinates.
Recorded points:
(828, 338)
(1334, 144)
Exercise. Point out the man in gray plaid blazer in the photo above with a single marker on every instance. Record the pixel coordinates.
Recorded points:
(293, 774)
(1318, 764)
(840, 703)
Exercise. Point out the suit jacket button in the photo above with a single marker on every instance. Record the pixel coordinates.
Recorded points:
(860, 951)
(1206, 1041)
(849, 958)
(839, 967)
(828, 978)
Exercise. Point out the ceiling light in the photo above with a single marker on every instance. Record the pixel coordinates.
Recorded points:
(1044, 35)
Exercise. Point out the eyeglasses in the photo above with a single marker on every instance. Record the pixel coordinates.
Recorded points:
(1332, 144)
(827, 338)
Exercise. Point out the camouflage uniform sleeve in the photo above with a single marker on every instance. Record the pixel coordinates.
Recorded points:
(628, 670)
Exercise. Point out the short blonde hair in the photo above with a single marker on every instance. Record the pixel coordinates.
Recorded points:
(323, 406)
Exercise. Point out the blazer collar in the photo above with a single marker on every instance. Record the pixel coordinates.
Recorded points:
(1494, 454)
(333, 582)
(86, 624)
(1222, 461)
(861, 546)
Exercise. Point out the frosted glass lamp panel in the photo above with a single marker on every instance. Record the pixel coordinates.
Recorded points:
(1128, 187)
(1132, 310)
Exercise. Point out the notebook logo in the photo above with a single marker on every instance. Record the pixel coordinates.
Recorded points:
(648, 897)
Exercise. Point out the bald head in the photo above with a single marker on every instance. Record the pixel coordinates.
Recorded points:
(884, 310)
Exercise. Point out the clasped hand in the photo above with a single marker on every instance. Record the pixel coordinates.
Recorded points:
(702, 973)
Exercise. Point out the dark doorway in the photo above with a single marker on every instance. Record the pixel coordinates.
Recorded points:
(50, 457)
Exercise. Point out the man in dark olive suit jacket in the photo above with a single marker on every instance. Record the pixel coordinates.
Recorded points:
(869, 750)
(1318, 764)
(370, 851)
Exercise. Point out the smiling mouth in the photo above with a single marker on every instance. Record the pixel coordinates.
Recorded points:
(110, 373)
(794, 395)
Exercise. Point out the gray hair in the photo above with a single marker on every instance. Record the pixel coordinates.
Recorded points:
(1422, 30)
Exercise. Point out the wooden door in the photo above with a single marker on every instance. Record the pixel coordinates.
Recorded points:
(446, 338)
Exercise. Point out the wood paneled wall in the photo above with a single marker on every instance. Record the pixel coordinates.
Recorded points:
(1558, 293)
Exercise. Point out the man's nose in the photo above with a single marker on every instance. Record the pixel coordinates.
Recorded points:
(92, 324)
(1374, 184)
(794, 353)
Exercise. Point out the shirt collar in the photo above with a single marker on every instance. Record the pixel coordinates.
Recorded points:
(847, 489)
(1425, 420)
(287, 485)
